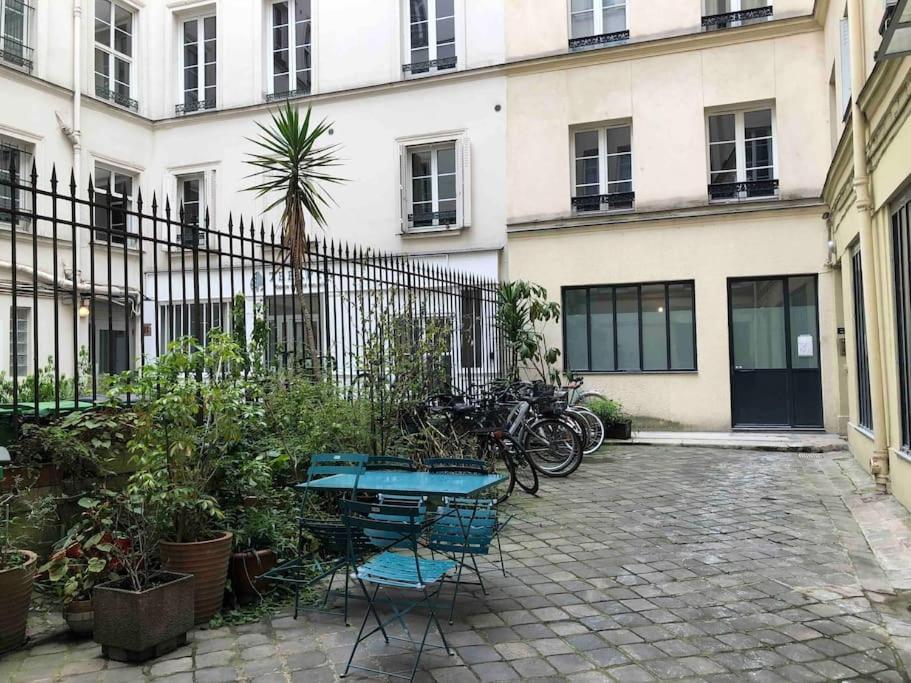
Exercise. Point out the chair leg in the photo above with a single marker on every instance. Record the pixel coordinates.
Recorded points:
(357, 641)
(477, 571)
(433, 615)
(329, 588)
(297, 599)
(430, 619)
(455, 594)
(347, 580)
(500, 548)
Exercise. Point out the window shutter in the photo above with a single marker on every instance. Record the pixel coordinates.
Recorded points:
(845, 65)
(463, 159)
(403, 194)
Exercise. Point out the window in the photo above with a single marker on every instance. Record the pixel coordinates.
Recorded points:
(191, 194)
(717, 14)
(864, 403)
(18, 340)
(845, 65)
(435, 184)
(15, 154)
(471, 330)
(629, 328)
(431, 36)
(179, 320)
(603, 169)
(291, 66)
(287, 340)
(742, 155)
(114, 53)
(113, 204)
(198, 65)
(901, 247)
(15, 33)
(596, 22)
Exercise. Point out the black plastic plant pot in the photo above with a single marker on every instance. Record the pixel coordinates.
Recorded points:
(619, 430)
(136, 626)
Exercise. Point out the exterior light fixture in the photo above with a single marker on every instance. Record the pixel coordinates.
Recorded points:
(84, 308)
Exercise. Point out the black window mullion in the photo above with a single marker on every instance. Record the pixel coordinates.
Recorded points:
(588, 323)
(641, 350)
(614, 326)
(667, 323)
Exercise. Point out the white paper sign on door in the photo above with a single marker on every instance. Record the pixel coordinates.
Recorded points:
(805, 346)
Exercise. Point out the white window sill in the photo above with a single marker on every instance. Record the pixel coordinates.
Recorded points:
(447, 230)
(607, 212)
(868, 433)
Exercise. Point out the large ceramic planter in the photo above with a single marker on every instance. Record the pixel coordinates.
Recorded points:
(135, 626)
(15, 597)
(80, 616)
(245, 568)
(207, 561)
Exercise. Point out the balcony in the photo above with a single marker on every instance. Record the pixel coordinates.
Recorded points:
(116, 98)
(739, 191)
(597, 41)
(616, 201)
(425, 67)
(286, 94)
(714, 22)
(17, 17)
(194, 105)
(432, 220)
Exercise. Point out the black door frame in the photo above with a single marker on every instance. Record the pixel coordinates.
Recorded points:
(787, 327)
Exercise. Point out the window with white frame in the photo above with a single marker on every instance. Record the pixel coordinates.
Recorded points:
(15, 33)
(113, 203)
(435, 184)
(596, 22)
(198, 50)
(15, 203)
(431, 36)
(741, 153)
(178, 320)
(603, 169)
(290, 45)
(718, 14)
(114, 53)
(18, 340)
(191, 195)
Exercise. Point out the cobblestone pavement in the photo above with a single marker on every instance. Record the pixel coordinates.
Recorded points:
(647, 564)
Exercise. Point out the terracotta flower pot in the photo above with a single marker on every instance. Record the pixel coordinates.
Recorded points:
(80, 616)
(208, 562)
(245, 567)
(15, 597)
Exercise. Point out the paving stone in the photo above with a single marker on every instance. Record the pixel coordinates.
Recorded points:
(220, 674)
(495, 671)
(569, 663)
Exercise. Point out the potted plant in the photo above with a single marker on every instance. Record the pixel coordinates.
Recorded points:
(617, 423)
(191, 413)
(17, 566)
(144, 612)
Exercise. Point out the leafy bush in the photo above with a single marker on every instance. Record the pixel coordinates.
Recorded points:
(522, 312)
(610, 411)
(21, 515)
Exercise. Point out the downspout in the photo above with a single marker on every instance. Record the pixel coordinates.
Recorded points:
(879, 463)
(74, 132)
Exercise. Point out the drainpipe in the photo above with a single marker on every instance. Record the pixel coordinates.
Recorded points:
(73, 132)
(879, 463)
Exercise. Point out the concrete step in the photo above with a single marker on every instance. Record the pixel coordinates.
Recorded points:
(794, 442)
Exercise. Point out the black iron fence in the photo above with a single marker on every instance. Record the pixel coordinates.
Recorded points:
(100, 280)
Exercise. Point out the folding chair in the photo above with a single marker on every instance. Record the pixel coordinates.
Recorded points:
(331, 535)
(390, 462)
(391, 527)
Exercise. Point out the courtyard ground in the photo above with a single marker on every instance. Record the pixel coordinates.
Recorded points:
(649, 563)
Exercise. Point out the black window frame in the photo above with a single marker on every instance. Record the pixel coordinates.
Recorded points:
(901, 251)
(667, 330)
(862, 357)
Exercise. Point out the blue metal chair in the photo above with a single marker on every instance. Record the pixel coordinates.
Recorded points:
(331, 535)
(388, 528)
(391, 463)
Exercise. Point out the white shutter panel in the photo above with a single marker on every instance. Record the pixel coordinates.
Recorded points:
(463, 159)
(403, 194)
(845, 65)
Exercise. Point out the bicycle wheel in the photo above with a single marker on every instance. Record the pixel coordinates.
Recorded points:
(553, 447)
(595, 428)
(580, 423)
(526, 475)
(588, 398)
(499, 462)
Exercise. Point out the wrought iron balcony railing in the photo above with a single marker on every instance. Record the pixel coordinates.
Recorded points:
(716, 21)
(116, 98)
(431, 219)
(750, 189)
(603, 39)
(424, 67)
(190, 107)
(615, 201)
(286, 94)
(16, 20)
(15, 53)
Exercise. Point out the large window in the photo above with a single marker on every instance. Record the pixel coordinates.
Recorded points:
(15, 154)
(471, 330)
(113, 204)
(18, 340)
(435, 184)
(901, 245)
(431, 36)
(191, 193)
(629, 328)
(596, 22)
(291, 42)
(198, 64)
(864, 404)
(179, 320)
(114, 53)
(15, 33)
(718, 14)
(603, 169)
(742, 155)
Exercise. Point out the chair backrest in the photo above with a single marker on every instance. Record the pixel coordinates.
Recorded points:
(456, 466)
(390, 462)
(328, 464)
(461, 527)
(386, 526)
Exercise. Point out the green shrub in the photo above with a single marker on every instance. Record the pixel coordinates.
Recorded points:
(610, 411)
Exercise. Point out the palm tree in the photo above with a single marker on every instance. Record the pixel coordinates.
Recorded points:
(293, 166)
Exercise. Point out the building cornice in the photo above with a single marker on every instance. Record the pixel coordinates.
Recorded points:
(706, 211)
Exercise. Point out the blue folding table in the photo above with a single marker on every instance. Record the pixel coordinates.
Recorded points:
(398, 483)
